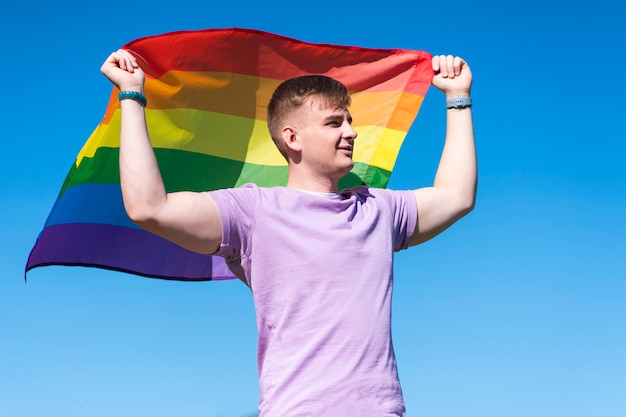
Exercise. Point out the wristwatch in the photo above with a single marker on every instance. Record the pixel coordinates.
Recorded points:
(458, 103)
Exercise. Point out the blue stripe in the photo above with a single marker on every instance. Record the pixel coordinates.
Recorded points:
(91, 203)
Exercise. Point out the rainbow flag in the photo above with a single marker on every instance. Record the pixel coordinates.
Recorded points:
(207, 93)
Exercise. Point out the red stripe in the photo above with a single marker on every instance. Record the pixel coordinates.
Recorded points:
(257, 53)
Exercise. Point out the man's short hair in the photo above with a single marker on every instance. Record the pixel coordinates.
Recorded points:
(291, 94)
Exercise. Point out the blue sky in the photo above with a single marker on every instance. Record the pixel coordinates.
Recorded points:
(518, 310)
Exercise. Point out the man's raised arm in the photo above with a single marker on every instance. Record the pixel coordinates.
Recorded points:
(453, 193)
(188, 219)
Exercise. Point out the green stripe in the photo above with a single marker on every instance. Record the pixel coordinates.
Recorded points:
(192, 171)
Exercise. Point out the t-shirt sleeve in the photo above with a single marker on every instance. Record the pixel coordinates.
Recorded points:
(237, 207)
(403, 208)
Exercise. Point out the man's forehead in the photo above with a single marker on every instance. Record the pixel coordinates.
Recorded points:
(326, 106)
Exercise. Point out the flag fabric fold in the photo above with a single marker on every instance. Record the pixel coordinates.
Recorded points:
(207, 94)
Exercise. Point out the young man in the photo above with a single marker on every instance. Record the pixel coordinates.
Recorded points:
(319, 260)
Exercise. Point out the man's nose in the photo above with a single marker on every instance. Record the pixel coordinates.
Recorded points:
(350, 133)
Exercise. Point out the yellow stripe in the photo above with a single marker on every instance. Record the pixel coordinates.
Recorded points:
(381, 147)
(213, 133)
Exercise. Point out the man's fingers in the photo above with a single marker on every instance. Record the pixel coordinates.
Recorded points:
(126, 62)
(122, 70)
(440, 64)
(444, 65)
(450, 66)
(447, 66)
(435, 64)
(123, 60)
(457, 63)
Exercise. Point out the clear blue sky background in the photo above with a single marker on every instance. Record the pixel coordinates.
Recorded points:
(517, 311)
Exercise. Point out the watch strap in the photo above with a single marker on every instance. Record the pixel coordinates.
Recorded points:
(458, 102)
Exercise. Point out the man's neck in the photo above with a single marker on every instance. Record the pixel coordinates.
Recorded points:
(312, 184)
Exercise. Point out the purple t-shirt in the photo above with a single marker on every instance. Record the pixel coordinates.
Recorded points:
(321, 272)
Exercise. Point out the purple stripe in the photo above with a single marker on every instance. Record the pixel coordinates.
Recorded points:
(123, 249)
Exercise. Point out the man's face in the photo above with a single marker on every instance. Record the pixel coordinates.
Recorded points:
(327, 138)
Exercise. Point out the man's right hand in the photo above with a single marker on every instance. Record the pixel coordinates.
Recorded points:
(121, 69)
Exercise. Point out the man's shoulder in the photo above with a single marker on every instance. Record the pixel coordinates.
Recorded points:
(382, 196)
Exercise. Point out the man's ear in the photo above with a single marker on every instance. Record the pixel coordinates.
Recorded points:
(290, 138)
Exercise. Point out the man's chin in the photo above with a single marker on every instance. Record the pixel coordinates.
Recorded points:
(346, 170)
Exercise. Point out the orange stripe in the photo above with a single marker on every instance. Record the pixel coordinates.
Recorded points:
(246, 96)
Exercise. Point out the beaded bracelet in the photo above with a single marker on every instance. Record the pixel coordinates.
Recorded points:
(133, 95)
